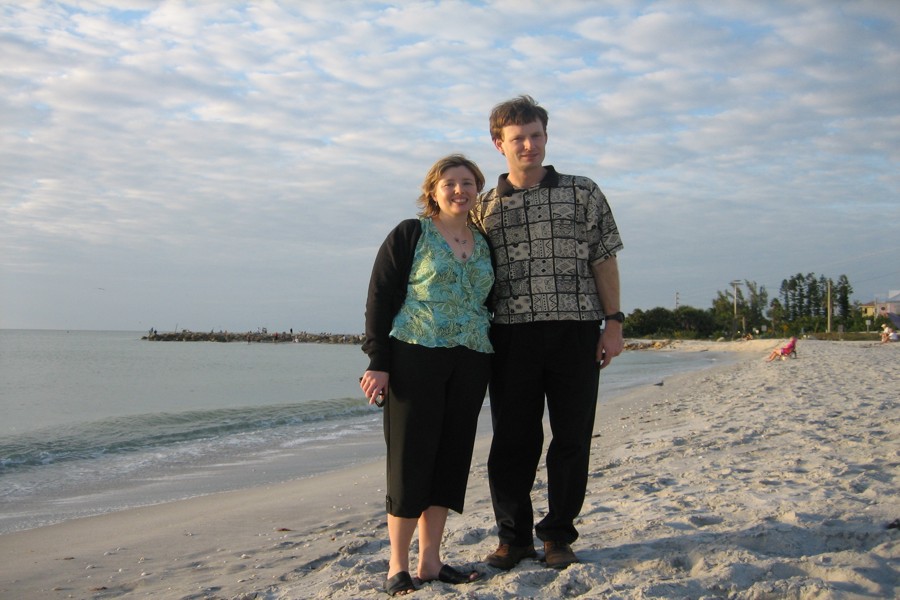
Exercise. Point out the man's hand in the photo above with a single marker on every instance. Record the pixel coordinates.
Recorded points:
(611, 343)
(606, 278)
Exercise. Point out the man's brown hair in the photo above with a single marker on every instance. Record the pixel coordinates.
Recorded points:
(518, 111)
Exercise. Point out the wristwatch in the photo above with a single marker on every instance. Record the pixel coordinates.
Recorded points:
(617, 316)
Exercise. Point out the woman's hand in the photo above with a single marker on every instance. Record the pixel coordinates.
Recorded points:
(374, 385)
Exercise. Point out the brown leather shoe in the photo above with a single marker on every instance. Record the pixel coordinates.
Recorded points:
(559, 555)
(506, 556)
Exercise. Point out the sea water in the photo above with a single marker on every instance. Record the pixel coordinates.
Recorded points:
(99, 421)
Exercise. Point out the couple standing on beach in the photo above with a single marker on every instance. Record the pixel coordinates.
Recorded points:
(508, 287)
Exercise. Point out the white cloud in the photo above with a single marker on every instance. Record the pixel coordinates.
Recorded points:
(236, 163)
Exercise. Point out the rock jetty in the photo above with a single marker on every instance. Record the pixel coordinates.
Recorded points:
(303, 337)
(248, 337)
(647, 344)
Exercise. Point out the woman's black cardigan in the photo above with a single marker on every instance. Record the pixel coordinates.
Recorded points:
(387, 290)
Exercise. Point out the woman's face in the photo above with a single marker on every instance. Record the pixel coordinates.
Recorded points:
(455, 191)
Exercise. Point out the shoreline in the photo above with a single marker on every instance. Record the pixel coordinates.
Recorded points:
(745, 480)
(117, 481)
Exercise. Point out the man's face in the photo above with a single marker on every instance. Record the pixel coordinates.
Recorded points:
(523, 145)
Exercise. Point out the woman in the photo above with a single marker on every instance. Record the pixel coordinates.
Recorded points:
(429, 361)
(784, 351)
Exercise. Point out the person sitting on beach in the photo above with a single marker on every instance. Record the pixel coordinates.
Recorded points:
(430, 356)
(784, 351)
(886, 333)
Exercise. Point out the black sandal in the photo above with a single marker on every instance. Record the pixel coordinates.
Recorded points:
(401, 583)
(448, 574)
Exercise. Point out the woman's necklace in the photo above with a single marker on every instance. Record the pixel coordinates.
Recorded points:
(461, 241)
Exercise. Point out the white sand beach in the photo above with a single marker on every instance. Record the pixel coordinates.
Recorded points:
(750, 481)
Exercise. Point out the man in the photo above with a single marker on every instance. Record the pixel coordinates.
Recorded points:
(555, 244)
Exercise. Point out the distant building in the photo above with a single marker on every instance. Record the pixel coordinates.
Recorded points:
(882, 308)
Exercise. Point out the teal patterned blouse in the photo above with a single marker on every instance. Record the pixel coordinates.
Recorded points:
(445, 296)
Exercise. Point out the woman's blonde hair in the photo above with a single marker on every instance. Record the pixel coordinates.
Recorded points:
(427, 204)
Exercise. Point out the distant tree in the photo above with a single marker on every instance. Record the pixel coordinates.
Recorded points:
(786, 299)
(657, 321)
(777, 314)
(793, 296)
(815, 294)
(801, 306)
(723, 311)
(636, 324)
(694, 322)
(683, 322)
(629, 327)
(755, 311)
(842, 294)
(801, 297)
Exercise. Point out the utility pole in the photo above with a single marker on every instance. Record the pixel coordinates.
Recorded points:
(734, 283)
(828, 306)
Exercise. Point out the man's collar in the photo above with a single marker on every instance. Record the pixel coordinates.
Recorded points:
(505, 188)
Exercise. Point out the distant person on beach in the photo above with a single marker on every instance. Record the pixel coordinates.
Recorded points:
(555, 243)
(887, 334)
(783, 351)
(430, 356)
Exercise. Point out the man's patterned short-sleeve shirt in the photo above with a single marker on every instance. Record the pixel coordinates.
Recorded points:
(545, 239)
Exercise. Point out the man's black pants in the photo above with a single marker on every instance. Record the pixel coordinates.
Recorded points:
(533, 361)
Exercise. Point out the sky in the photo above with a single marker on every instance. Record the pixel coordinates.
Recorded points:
(233, 166)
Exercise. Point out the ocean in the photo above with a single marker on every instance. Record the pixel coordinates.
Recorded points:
(97, 421)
